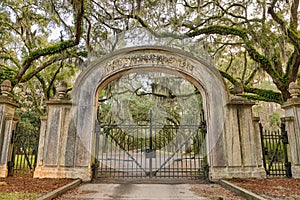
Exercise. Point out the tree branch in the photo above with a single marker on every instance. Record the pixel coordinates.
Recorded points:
(294, 14)
(44, 65)
(290, 32)
(59, 17)
(56, 48)
(251, 76)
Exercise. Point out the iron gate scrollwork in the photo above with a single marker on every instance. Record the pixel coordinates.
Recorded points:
(274, 150)
(151, 151)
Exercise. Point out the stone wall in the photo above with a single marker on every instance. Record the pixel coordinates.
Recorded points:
(242, 142)
(292, 121)
(59, 146)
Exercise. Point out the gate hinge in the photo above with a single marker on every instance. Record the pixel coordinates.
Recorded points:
(204, 127)
(284, 136)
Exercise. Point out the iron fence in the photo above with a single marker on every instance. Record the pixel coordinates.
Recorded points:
(24, 152)
(274, 150)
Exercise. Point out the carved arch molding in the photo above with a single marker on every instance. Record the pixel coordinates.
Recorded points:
(151, 58)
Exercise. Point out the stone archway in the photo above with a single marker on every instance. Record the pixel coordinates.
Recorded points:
(66, 150)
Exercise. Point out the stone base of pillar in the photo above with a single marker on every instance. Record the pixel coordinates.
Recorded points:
(3, 171)
(84, 173)
(218, 173)
(295, 171)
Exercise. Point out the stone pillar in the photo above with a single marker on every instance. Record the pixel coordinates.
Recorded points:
(242, 141)
(292, 121)
(43, 129)
(57, 154)
(7, 125)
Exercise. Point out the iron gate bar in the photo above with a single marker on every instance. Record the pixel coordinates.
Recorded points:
(150, 144)
(273, 157)
(274, 151)
(169, 158)
(285, 141)
(263, 147)
(123, 148)
(174, 169)
(24, 151)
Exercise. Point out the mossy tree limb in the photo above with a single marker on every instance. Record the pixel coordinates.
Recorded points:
(256, 93)
(264, 62)
(58, 47)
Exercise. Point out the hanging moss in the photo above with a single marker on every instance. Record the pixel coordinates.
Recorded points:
(256, 93)
(228, 77)
(264, 95)
(7, 74)
(294, 32)
(261, 98)
(57, 48)
(222, 30)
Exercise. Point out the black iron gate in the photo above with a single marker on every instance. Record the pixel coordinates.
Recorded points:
(24, 152)
(151, 151)
(274, 149)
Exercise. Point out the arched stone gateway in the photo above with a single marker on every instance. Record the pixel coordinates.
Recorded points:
(67, 135)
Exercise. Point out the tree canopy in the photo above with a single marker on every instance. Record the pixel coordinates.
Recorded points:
(252, 42)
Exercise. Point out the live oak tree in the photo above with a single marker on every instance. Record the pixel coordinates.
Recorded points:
(267, 32)
(29, 57)
(250, 41)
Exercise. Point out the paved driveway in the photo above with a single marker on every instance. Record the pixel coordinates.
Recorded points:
(149, 192)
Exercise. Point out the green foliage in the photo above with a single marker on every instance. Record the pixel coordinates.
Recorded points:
(56, 48)
(264, 95)
(37, 37)
(274, 119)
(173, 100)
(29, 122)
(6, 73)
(140, 106)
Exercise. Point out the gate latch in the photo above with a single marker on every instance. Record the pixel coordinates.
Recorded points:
(150, 153)
(284, 136)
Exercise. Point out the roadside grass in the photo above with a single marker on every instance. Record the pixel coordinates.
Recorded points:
(19, 195)
(20, 161)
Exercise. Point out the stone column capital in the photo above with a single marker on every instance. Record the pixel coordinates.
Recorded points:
(5, 87)
(43, 118)
(293, 89)
(238, 100)
(59, 102)
(292, 102)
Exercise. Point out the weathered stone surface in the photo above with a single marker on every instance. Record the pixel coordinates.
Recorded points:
(7, 125)
(292, 121)
(41, 148)
(243, 140)
(63, 172)
(5, 87)
(53, 137)
(70, 144)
